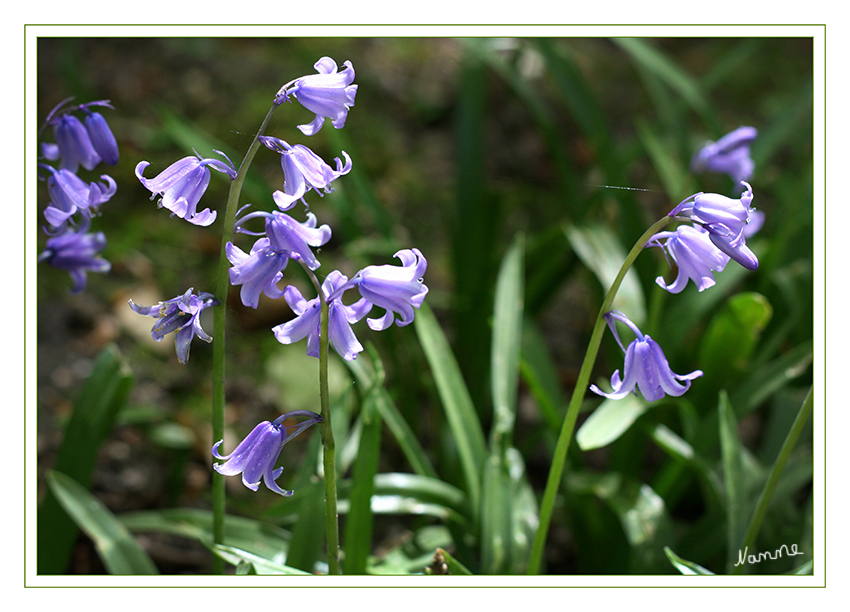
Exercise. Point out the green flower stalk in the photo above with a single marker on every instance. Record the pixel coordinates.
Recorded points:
(563, 444)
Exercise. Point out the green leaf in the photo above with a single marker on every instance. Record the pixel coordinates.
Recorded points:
(507, 339)
(729, 341)
(359, 523)
(371, 379)
(423, 489)
(541, 376)
(804, 570)
(733, 479)
(261, 565)
(578, 97)
(657, 63)
(509, 515)
(679, 449)
(460, 412)
(308, 534)
(609, 421)
(399, 493)
(688, 568)
(769, 378)
(599, 249)
(671, 169)
(640, 511)
(258, 537)
(102, 397)
(120, 553)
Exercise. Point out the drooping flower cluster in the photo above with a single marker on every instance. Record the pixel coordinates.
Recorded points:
(73, 200)
(717, 234)
(398, 290)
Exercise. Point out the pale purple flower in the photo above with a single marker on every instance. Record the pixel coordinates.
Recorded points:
(70, 194)
(101, 136)
(257, 272)
(645, 368)
(695, 255)
(77, 251)
(255, 456)
(329, 94)
(725, 219)
(181, 315)
(293, 237)
(303, 170)
(307, 323)
(729, 155)
(74, 142)
(397, 289)
(182, 184)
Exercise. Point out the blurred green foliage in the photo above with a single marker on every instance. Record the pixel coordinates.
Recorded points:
(460, 147)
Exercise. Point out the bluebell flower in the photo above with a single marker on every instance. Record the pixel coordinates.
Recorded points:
(74, 143)
(70, 194)
(285, 238)
(729, 155)
(257, 272)
(101, 137)
(77, 144)
(695, 255)
(307, 322)
(303, 170)
(256, 455)
(329, 94)
(725, 219)
(182, 184)
(77, 251)
(645, 367)
(181, 315)
(397, 289)
(290, 236)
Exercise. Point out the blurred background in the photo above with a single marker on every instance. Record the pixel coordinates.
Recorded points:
(459, 147)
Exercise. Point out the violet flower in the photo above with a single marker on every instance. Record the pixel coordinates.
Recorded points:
(77, 251)
(645, 367)
(725, 219)
(291, 236)
(182, 184)
(70, 194)
(729, 155)
(329, 94)
(257, 272)
(695, 255)
(307, 322)
(303, 170)
(256, 455)
(397, 289)
(101, 137)
(181, 315)
(77, 144)
(74, 143)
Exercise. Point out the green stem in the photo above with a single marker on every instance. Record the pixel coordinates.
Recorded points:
(328, 444)
(219, 326)
(562, 446)
(775, 473)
